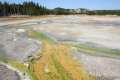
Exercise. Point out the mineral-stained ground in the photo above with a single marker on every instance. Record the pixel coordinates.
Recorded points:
(94, 40)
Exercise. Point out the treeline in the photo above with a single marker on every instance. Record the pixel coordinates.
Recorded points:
(104, 12)
(31, 8)
(61, 11)
(26, 8)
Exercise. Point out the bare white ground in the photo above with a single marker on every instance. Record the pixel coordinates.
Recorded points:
(103, 67)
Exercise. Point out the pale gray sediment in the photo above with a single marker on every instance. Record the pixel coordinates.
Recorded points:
(8, 74)
(17, 44)
(104, 68)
